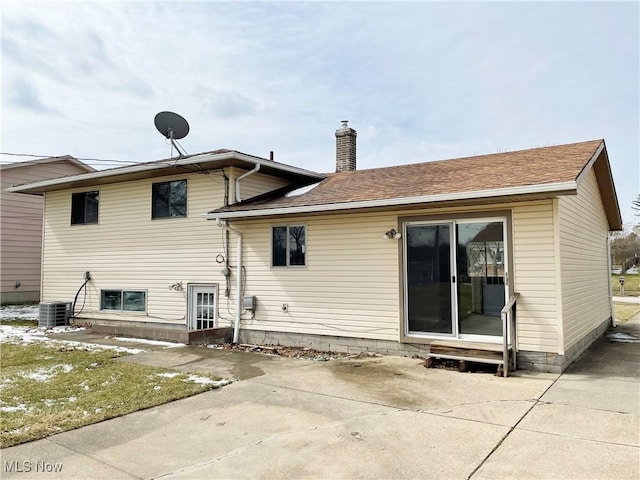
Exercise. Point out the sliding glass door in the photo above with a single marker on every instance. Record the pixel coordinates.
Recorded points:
(428, 278)
(455, 292)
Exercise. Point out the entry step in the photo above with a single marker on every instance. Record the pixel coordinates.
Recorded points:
(469, 351)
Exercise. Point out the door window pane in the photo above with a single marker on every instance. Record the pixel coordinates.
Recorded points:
(481, 288)
(428, 257)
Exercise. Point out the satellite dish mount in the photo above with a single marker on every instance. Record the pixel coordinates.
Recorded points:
(173, 127)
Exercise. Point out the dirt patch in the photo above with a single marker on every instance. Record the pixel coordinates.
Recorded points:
(291, 352)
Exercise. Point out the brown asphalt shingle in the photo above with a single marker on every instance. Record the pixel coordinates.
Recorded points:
(538, 166)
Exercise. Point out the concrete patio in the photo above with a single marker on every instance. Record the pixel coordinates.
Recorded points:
(378, 417)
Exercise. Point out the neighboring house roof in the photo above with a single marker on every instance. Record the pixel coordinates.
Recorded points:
(65, 158)
(543, 172)
(216, 159)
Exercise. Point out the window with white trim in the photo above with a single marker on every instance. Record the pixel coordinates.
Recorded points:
(288, 246)
(123, 300)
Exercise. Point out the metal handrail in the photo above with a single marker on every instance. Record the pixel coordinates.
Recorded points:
(508, 333)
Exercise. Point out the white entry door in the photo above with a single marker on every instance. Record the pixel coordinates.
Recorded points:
(203, 307)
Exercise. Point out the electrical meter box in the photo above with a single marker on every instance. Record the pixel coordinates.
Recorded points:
(249, 302)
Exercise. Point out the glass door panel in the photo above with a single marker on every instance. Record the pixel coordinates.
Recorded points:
(428, 278)
(480, 268)
(202, 310)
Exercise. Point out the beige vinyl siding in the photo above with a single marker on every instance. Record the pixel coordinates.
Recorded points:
(129, 250)
(584, 261)
(255, 184)
(349, 286)
(21, 228)
(534, 276)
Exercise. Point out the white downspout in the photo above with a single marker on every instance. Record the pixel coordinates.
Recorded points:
(236, 327)
(244, 175)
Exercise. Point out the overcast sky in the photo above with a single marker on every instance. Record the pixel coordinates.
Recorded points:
(419, 81)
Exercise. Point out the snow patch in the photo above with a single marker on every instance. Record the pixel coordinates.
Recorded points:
(19, 312)
(206, 381)
(150, 342)
(25, 335)
(41, 375)
(14, 408)
(167, 374)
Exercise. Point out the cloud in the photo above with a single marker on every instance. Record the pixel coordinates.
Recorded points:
(224, 103)
(419, 80)
(25, 96)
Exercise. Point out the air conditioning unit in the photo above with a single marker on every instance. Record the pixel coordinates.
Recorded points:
(54, 314)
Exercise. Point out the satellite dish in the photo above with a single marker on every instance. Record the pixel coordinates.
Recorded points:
(172, 126)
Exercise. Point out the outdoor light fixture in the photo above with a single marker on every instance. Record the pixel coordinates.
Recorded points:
(389, 234)
(176, 287)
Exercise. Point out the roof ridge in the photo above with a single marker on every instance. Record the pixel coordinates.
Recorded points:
(483, 155)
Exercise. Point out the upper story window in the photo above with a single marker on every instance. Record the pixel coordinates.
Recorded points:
(169, 199)
(288, 246)
(84, 208)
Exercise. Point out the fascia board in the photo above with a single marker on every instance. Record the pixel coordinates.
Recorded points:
(390, 202)
(589, 164)
(31, 187)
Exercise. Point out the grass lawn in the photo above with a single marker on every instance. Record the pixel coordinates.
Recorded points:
(631, 284)
(51, 387)
(624, 311)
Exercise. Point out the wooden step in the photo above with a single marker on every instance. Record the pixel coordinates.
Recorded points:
(469, 351)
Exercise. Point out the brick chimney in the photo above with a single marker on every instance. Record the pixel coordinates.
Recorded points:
(345, 148)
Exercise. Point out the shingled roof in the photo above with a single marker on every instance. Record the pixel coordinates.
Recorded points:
(545, 169)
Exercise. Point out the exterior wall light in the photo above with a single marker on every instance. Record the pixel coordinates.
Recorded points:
(393, 233)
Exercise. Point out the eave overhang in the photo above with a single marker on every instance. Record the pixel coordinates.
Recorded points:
(527, 192)
(192, 164)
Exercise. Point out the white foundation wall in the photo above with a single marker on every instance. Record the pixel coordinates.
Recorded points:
(584, 261)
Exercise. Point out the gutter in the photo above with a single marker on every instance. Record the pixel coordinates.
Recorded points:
(256, 169)
(236, 326)
(565, 188)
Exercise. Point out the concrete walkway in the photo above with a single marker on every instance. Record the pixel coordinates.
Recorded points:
(635, 300)
(380, 417)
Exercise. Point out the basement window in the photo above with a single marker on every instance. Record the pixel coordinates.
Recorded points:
(123, 300)
(84, 208)
(169, 199)
(288, 246)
